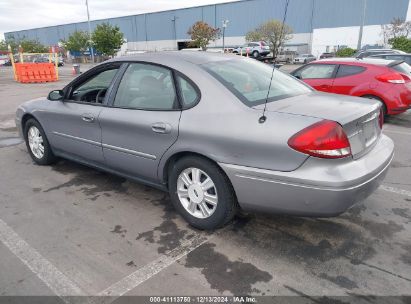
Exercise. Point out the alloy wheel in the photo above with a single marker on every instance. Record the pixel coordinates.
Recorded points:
(197, 193)
(35, 142)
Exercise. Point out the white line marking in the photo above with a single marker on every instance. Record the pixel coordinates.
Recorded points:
(395, 190)
(146, 272)
(61, 285)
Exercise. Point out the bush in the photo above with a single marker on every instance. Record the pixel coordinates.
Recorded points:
(401, 43)
(346, 52)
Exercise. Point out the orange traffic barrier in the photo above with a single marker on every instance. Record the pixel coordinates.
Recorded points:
(35, 72)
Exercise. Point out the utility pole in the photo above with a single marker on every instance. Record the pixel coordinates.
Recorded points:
(89, 33)
(362, 25)
(225, 24)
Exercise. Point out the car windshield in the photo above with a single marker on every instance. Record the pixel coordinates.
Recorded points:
(249, 80)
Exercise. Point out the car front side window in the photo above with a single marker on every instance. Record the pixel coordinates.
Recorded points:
(93, 89)
(316, 71)
(146, 87)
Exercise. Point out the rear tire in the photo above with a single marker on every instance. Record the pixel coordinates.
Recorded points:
(202, 193)
(37, 143)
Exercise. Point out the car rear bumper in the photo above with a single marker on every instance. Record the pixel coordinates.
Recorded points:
(320, 187)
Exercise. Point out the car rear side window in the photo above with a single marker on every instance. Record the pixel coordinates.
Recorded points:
(349, 70)
(316, 71)
(146, 87)
(189, 95)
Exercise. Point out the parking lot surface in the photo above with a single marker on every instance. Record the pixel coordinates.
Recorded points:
(71, 230)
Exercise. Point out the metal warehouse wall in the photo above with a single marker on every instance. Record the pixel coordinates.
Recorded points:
(303, 17)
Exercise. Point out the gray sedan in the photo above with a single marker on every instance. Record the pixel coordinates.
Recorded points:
(219, 132)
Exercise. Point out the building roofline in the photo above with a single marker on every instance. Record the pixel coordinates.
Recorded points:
(125, 16)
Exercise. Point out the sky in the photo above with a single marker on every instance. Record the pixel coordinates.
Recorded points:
(26, 14)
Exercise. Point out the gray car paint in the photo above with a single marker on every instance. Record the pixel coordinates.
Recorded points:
(225, 130)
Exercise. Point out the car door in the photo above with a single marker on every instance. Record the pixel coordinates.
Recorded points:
(319, 76)
(142, 121)
(347, 78)
(74, 122)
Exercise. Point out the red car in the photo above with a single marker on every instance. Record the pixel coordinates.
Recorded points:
(386, 80)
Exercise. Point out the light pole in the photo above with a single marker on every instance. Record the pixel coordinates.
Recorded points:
(175, 29)
(89, 33)
(362, 25)
(225, 24)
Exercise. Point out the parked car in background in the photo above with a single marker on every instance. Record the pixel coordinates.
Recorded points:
(254, 49)
(286, 56)
(304, 58)
(327, 55)
(404, 57)
(158, 118)
(8, 61)
(371, 52)
(46, 60)
(3, 59)
(388, 81)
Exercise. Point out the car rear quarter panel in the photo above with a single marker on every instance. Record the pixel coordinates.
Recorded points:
(223, 129)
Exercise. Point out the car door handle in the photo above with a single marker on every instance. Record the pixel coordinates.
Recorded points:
(87, 117)
(161, 127)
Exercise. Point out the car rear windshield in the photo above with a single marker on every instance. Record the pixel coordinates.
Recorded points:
(402, 68)
(249, 80)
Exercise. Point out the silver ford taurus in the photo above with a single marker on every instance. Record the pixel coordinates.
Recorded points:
(219, 132)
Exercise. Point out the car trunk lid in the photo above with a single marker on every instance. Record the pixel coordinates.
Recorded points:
(358, 117)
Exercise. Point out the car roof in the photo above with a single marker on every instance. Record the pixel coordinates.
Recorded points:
(377, 56)
(196, 58)
(383, 51)
(357, 61)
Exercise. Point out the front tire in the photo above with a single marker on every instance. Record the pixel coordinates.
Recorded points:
(37, 143)
(256, 54)
(202, 193)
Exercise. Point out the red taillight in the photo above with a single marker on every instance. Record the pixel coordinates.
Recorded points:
(324, 139)
(391, 78)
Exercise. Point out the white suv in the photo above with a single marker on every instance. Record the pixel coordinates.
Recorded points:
(254, 49)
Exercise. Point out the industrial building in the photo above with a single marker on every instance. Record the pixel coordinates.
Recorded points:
(318, 25)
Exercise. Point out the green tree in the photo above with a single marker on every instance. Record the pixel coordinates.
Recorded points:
(401, 43)
(3, 45)
(10, 40)
(28, 45)
(107, 39)
(33, 46)
(78, 41)
(202, 33)
(253, 36)
(274, 32)
(345, 52)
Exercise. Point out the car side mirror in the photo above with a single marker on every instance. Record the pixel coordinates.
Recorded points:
(56, 95)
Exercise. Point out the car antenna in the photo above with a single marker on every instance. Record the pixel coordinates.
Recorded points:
(263, 118)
